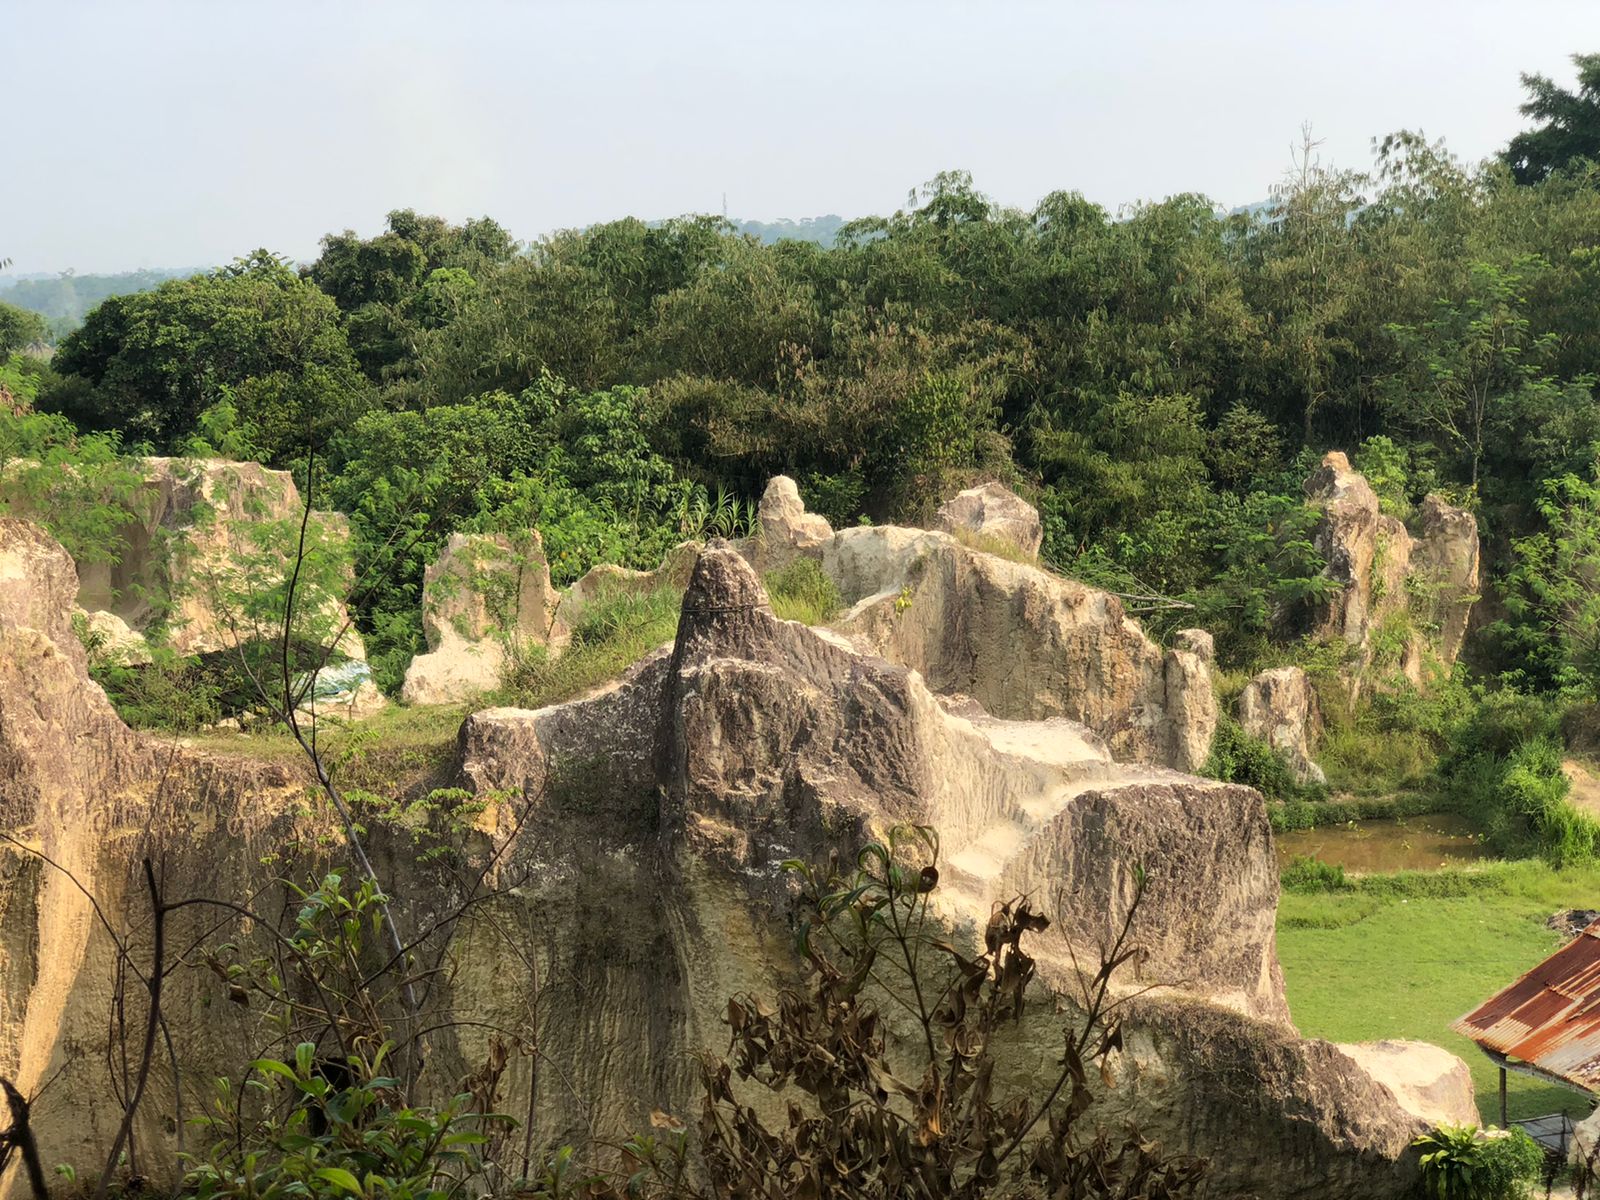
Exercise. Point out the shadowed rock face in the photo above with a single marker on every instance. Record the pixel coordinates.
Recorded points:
(640, 828)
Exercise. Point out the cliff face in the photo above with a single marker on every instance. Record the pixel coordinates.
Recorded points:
(637, 835)
(1403, 597)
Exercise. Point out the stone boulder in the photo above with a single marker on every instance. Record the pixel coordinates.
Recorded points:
(1429, 1082)
(1403, 601)
(993, 511)
(485, 595)
(787, 529)
(1280, 707)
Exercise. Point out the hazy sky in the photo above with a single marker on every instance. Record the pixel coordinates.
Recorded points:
(148, 133)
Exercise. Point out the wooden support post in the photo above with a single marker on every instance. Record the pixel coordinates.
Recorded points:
(1504, 1124)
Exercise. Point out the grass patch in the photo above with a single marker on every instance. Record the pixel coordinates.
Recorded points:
(1000, 547)
(1290, 815)
(1403, 955)
(614, 632)
(801, 592)
(1366, 761)
(391, 753)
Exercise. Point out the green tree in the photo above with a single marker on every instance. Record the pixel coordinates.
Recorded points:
(253, 333)
(21, 329)
(1571, 124)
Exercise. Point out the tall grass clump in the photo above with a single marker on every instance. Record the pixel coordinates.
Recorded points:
(612, 632)
(801, 592)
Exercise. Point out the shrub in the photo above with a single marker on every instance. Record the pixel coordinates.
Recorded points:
(1236, 757)
(1459, 1163)
(1307, 874)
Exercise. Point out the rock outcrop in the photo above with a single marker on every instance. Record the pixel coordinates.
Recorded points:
(198, 532)
(993, 511)
(1280, 707)
(636, 836)
(1023, 642)
(484, 595)
(787, 529)
(1197, 642)
(1403, 600)
(1429, 1082)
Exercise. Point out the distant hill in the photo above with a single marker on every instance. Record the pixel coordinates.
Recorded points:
(820, 230)
(64, 299)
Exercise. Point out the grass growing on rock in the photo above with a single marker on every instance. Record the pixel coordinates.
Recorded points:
(1404, 955)
(612, 633)
(801, 592)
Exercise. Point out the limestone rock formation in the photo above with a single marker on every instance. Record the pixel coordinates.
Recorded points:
(757, 739)
(196, 534)
(484, 593)
(1197, 642)
(637, 835)
(1394, 588)
(1429, 1082)
(605, 580)
(1446, 556)
(787, 529)
(993, 511)
(1280, 707)
(1025, 643)
(113, 641)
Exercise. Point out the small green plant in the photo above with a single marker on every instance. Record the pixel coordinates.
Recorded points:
(1461, 1163)
(331, 1118)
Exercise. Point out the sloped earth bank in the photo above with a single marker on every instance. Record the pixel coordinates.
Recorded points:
(642, 884)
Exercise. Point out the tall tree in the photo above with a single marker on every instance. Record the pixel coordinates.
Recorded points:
(1570, 128)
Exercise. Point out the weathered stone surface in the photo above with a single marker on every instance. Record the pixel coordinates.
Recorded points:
(1280, 707)
(637, 832)
(1025, 643)
(114, 642)
(1446, 556)
(993, 511)
(1197, 642)
(787, 529)
(1429, 1082)
(191, 542)
(1394, 588)
(484, 593)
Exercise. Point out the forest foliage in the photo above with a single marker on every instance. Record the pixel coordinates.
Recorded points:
(1158, 380)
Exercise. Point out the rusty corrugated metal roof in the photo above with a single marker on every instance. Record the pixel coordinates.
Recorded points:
(1549, 1018)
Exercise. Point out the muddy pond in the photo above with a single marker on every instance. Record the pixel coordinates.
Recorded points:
(1388, 844)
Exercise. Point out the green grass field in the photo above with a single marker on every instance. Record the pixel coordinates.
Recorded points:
(1405, 955)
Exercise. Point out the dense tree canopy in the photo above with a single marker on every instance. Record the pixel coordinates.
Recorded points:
(1157, 380)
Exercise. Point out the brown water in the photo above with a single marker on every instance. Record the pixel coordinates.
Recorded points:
(1388, 844)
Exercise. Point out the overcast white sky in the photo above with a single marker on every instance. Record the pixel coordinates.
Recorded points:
(146, 133)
